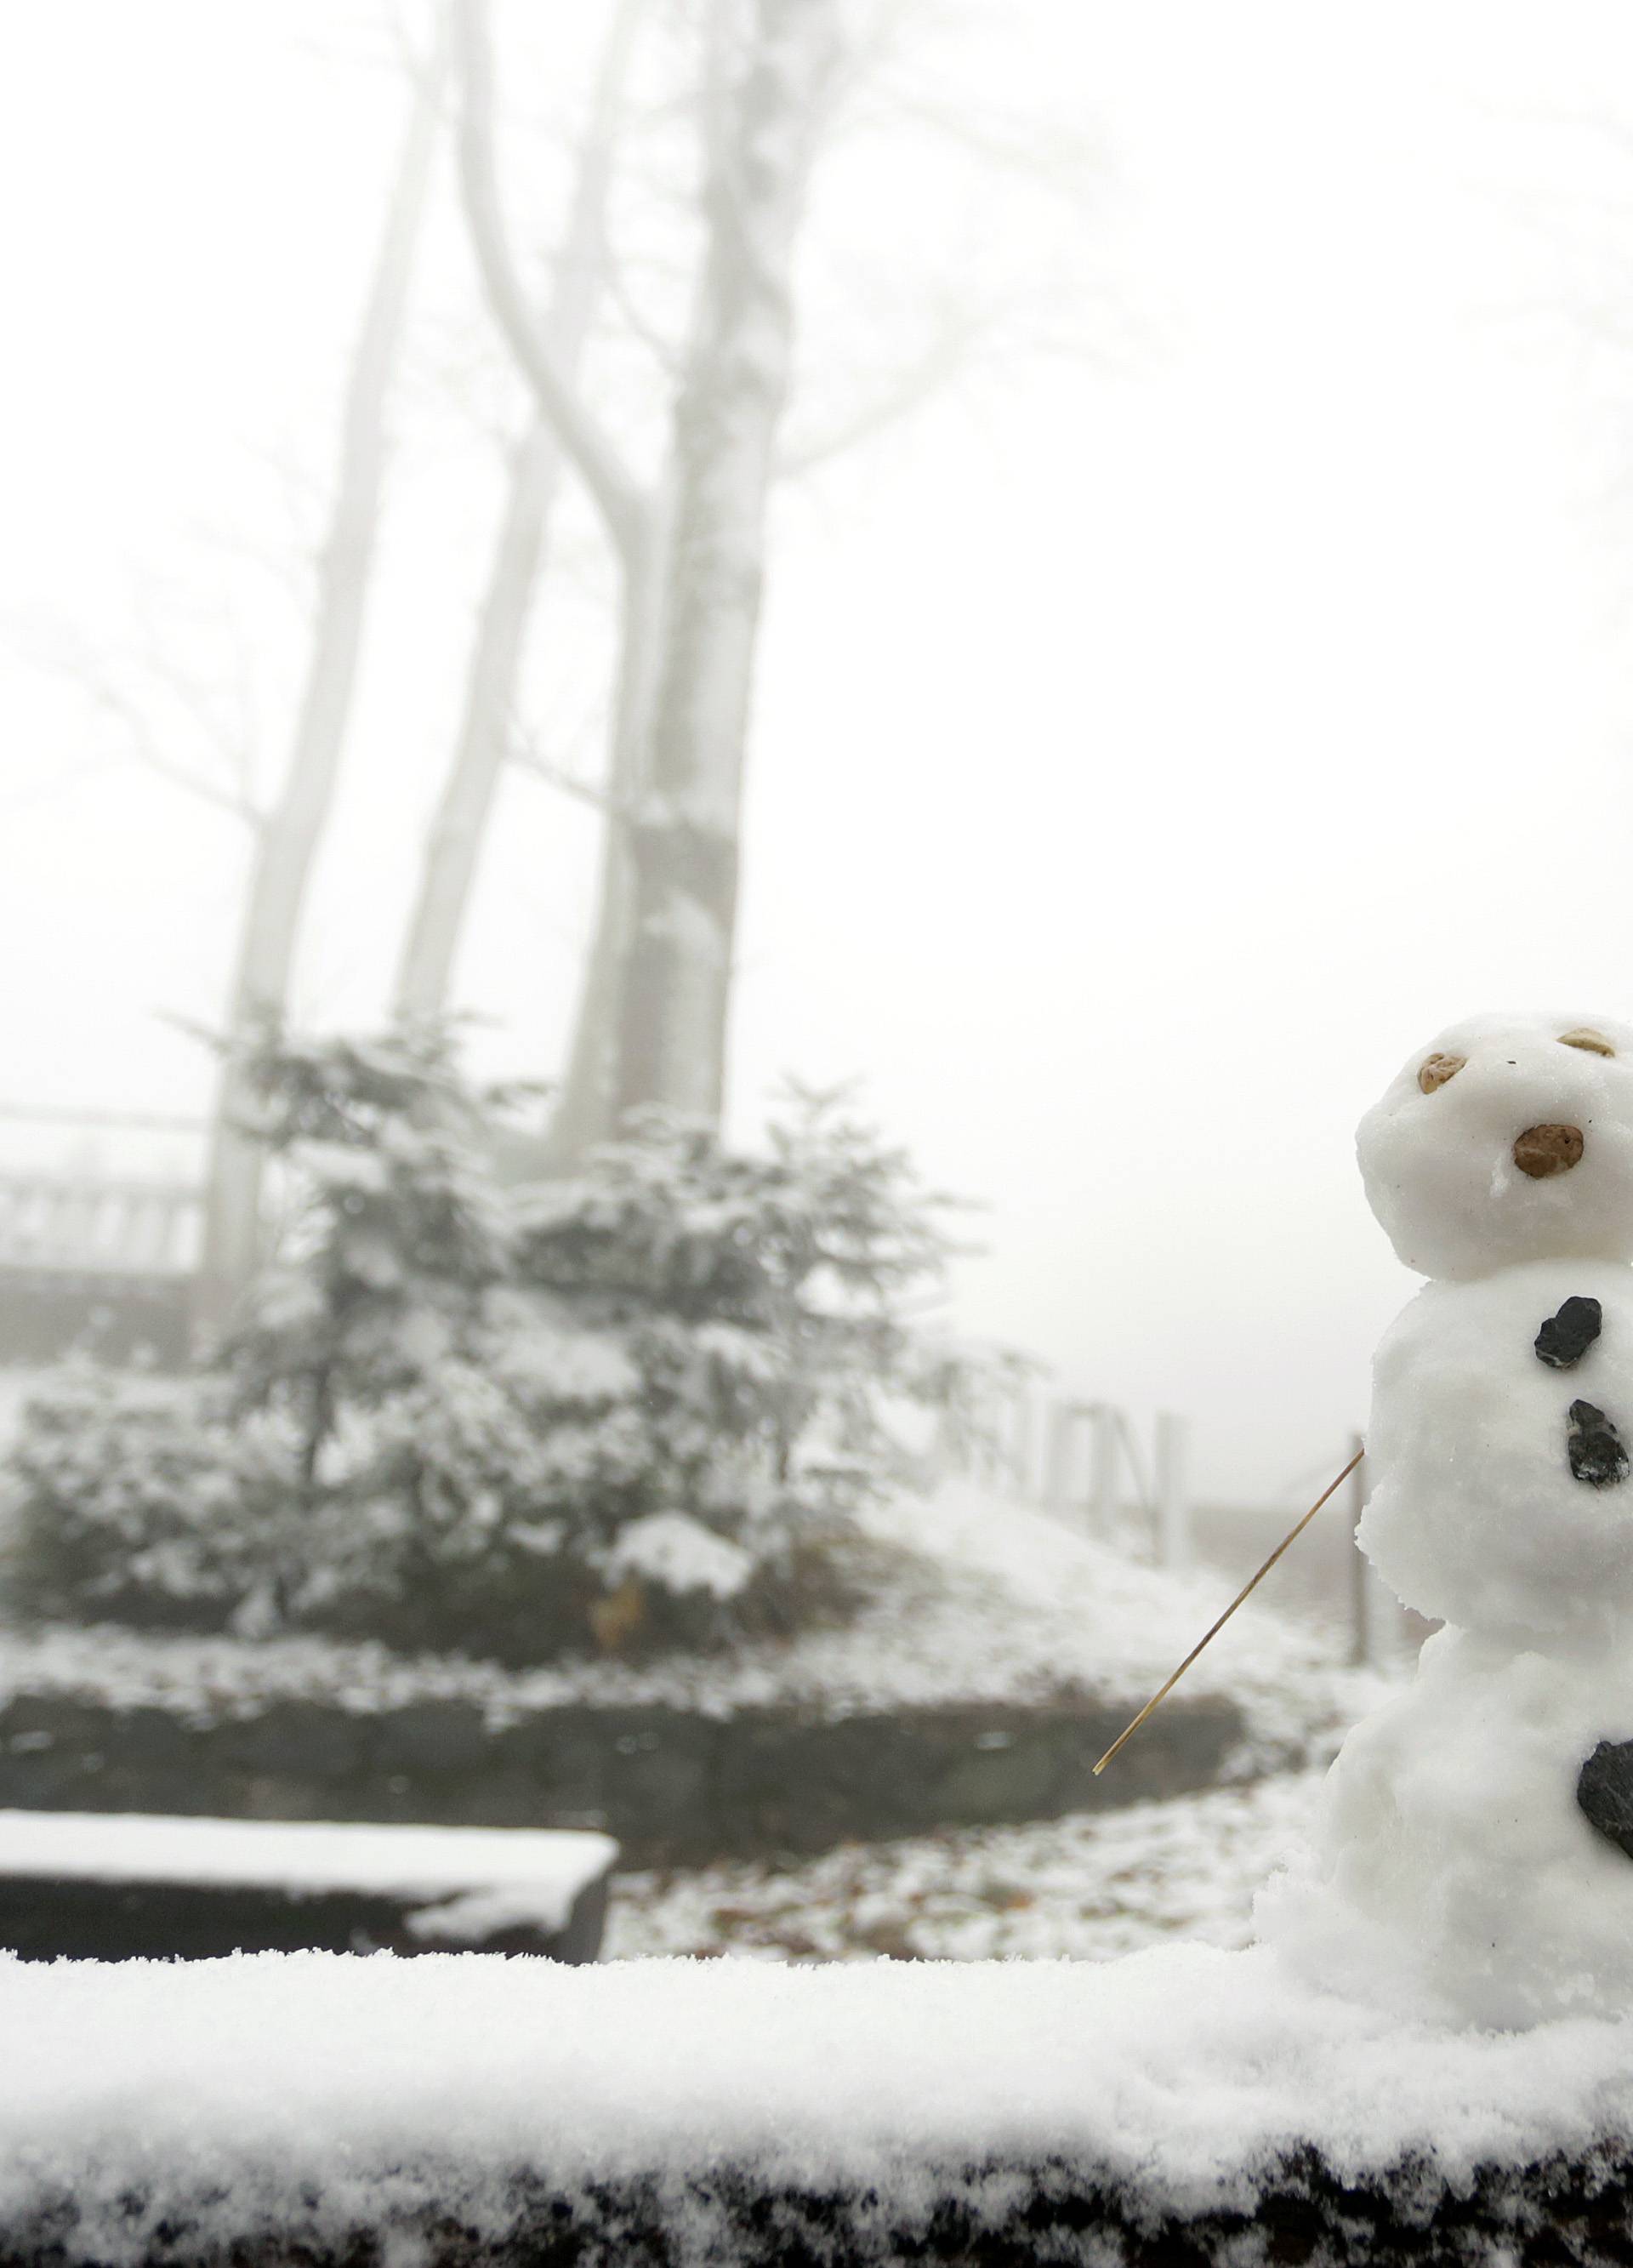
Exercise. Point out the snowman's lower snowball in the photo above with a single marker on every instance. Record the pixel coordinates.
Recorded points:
(1454, 1875)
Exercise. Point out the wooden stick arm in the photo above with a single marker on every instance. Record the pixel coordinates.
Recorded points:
(1163, 1691)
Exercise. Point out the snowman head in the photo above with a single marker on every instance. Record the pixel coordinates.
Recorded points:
(1508, 1138)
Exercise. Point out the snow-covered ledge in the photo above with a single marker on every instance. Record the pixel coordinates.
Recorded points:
(112, 1885)
(1182, 2104)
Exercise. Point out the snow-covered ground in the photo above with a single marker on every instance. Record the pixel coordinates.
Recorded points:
(1087, 1887)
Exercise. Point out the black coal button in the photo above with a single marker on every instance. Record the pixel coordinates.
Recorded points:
(1605, 1792)
(1597, 1455)
(1566, 1337)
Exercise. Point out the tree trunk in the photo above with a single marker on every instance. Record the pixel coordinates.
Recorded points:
(587, 1110)
(287, 838)
(652, 1020)
(455, 844)
(670, 1019)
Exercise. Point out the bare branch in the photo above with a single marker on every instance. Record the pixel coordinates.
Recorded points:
(871, 46)
(146, 747)
(522, 753)
(420, 65)
(67, 657)
(1057, 156)
(714, 92)
(947, 356)
(232, 741)
(622, 502)
(663, 353)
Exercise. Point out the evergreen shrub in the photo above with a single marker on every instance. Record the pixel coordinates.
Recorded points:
(638, 1405)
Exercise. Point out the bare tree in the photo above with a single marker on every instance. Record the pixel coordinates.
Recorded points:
(454, 841)
(288, 834)
(690, 546)
(762, 115)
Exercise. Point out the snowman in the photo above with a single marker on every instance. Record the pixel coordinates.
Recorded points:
(1473, 1854)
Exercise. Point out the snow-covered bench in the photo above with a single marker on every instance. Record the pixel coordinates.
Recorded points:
(1182, 2105)
(118, 1886)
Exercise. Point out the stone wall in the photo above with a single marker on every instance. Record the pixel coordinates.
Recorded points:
(675, 1788)
(80, 1919)
(1002, 2213)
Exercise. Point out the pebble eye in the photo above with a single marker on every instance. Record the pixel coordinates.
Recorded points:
(1438, 1070)
(1595, 1042)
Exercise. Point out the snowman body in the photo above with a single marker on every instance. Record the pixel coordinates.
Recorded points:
(1454, 1873)
(1476, 1515)
(1466, 1861)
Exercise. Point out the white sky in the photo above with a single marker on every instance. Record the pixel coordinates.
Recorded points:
(1146, 758)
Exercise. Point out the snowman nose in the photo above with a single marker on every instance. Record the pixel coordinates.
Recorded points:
(1544, 1151)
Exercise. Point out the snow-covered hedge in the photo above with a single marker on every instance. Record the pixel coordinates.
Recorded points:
(635, 1407)
(1184, 2105)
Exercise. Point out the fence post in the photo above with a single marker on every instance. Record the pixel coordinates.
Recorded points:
(1173, 1516)
(1021, 1445)
(1057, 1456)
(1103, 1487)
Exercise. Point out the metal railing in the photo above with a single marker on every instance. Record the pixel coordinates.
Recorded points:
(1085, 1462)
(82, 1225)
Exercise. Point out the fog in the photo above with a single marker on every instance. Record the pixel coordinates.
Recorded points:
(1157, 734)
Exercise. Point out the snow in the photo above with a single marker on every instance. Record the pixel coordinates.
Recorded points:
(345, 1166)
(538, 1346)
(1090, 1887)
(673, 1549)
(307, 2089)
(995, 1603)
(483, 1878)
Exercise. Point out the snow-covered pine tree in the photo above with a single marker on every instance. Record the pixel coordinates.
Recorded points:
(635, 1408)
